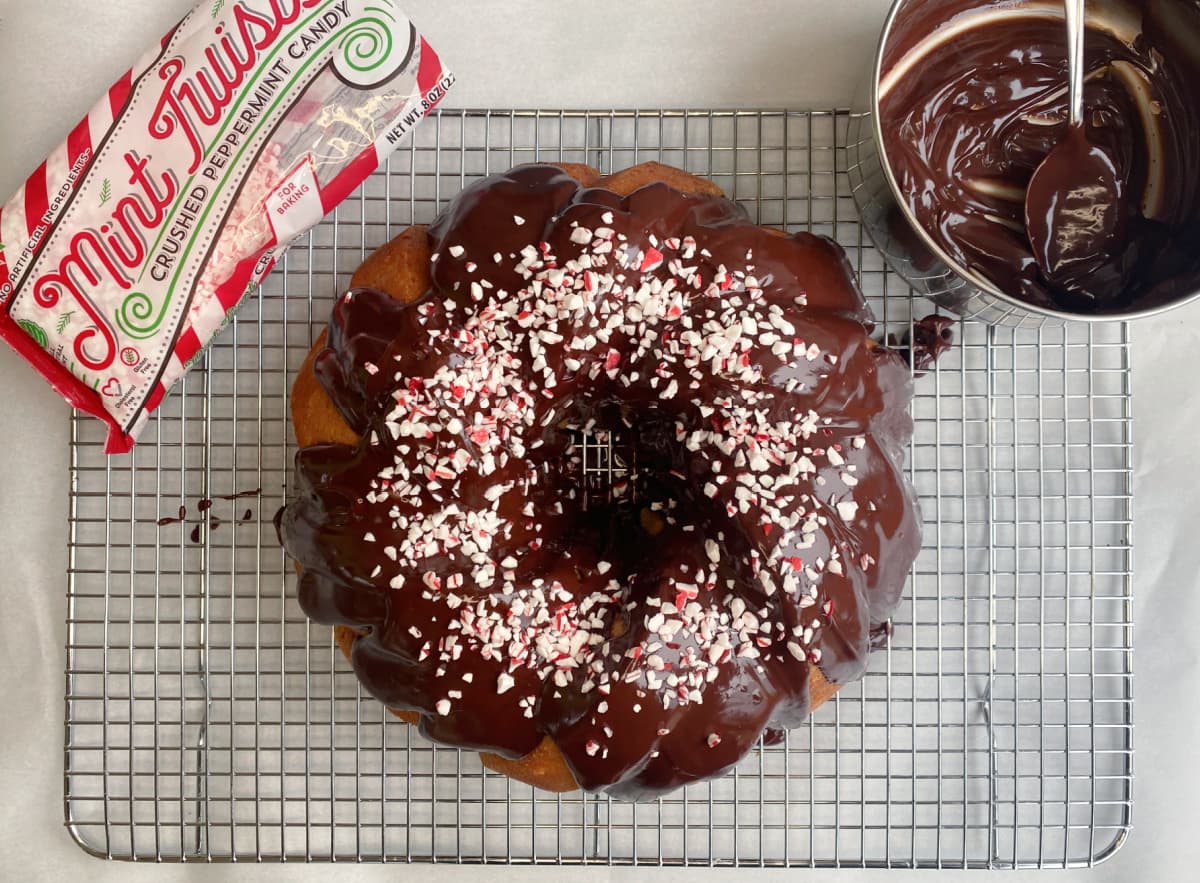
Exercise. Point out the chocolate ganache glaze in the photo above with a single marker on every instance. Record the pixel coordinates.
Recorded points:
(973, 97)
(654, 638)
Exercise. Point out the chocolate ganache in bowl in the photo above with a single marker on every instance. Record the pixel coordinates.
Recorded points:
(971, 99)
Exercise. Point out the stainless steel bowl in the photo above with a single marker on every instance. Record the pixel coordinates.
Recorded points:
(910, 250)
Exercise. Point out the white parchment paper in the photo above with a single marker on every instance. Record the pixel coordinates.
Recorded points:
(55, 57)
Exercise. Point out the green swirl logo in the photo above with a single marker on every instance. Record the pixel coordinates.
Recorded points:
(373, 50)
(367, 46)
(136, 316)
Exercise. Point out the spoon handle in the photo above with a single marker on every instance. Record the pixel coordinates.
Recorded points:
(1075, 63)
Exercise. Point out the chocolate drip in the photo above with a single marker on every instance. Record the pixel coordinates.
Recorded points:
(182, 517)
(204, 506)
(928, 340)
(966, 122)
(654, 641)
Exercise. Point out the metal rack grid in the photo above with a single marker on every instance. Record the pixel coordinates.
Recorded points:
(206, 719)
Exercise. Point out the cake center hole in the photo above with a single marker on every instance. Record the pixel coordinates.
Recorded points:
(607, 462)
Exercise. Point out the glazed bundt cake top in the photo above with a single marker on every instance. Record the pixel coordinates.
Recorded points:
(653, 639)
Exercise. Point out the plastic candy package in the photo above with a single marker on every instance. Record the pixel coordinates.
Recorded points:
(129, 248)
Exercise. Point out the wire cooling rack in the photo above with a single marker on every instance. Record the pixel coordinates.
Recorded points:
(206, 719)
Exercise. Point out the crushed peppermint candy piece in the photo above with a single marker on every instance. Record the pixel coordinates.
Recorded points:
(713, 551)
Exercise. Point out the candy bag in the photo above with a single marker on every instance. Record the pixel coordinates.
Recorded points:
(132, 244)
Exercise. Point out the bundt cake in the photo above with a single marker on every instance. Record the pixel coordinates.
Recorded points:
(439, 522)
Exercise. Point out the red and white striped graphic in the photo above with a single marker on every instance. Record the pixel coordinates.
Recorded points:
(26, 212)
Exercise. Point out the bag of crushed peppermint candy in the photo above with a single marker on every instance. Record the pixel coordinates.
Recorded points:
(131, 245)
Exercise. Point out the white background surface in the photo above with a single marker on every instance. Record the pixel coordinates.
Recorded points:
(57, 56)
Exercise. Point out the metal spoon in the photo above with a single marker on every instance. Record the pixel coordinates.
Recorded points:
(1076, 18)
(1072, 206)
